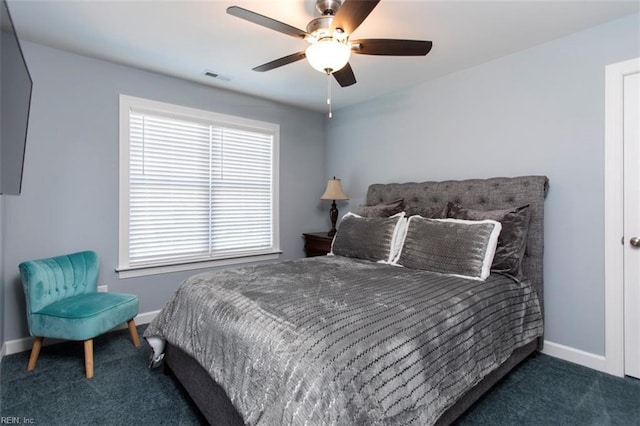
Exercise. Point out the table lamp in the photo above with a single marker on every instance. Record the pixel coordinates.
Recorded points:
(334, 192)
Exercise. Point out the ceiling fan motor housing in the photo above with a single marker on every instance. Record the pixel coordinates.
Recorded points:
(328, 7)
(320, 27)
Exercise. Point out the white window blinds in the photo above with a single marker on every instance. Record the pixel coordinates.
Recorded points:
(197, 190)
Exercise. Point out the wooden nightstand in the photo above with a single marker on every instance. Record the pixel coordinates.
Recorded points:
(317, 243)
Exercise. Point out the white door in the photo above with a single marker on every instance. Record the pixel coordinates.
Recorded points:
(631, 147)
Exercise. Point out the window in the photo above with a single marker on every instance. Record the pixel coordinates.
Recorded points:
(195, 187)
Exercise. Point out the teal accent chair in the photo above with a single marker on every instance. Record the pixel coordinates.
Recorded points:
(63, 302)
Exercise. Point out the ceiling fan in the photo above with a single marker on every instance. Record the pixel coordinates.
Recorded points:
(329, 35)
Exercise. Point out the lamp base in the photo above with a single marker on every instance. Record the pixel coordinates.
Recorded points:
(333, 215)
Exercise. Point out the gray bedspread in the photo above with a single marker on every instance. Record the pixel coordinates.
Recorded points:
(331, 340)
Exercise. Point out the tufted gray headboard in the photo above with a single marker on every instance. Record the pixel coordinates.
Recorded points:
(481, 194)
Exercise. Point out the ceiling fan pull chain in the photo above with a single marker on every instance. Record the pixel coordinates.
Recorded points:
(329, 92)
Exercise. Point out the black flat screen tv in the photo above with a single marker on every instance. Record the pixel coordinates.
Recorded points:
(15, 103)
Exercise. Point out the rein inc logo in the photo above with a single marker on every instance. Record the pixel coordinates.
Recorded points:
(14, 420)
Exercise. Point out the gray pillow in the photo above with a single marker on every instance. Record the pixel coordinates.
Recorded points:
(374, 239)
(450, 246)
(432, 212)
(513, 238)
(381, 210)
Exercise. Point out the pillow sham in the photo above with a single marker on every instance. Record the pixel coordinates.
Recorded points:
(381, 210)
(513, 238)
(455, 247)
(374, 239)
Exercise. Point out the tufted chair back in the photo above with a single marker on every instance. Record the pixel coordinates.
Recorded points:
(49, 280)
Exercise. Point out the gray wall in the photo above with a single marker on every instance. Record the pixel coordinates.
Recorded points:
(69, 197)
(540, 111)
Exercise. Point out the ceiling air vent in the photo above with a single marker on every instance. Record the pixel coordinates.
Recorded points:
(216, 75)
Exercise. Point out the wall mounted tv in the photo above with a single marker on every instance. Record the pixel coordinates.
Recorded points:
(15, 94)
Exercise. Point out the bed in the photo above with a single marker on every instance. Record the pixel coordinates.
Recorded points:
(368, 336)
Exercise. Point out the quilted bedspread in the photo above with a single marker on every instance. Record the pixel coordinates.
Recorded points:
(332, 340)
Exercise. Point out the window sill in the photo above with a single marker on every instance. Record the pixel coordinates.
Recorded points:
(128, 272)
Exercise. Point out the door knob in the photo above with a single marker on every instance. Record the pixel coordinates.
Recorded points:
(635, 241)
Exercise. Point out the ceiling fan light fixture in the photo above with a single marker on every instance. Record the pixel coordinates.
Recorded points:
(328, 55)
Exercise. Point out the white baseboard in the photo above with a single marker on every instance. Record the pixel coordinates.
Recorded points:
(24, 344)
(577, 356)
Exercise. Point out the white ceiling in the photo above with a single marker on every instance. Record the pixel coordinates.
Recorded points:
(183, 38)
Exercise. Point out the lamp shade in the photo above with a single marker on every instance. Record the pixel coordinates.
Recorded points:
(328, 55)
(334, 191)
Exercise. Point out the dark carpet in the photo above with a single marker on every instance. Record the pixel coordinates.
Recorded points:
(541, 391)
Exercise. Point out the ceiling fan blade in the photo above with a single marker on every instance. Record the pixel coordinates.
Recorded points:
(281, 61)
(344, 76)
(352, 13)
(267, 22)
(390, 47)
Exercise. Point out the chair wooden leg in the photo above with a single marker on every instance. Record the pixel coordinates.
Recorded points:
(35, 352)
(134, 333)
(88, 358)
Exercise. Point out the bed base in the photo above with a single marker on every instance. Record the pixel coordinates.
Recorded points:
(215, 406)
(206, 393)
(481, 194)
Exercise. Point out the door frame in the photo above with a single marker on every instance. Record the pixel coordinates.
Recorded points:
(614, 214)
